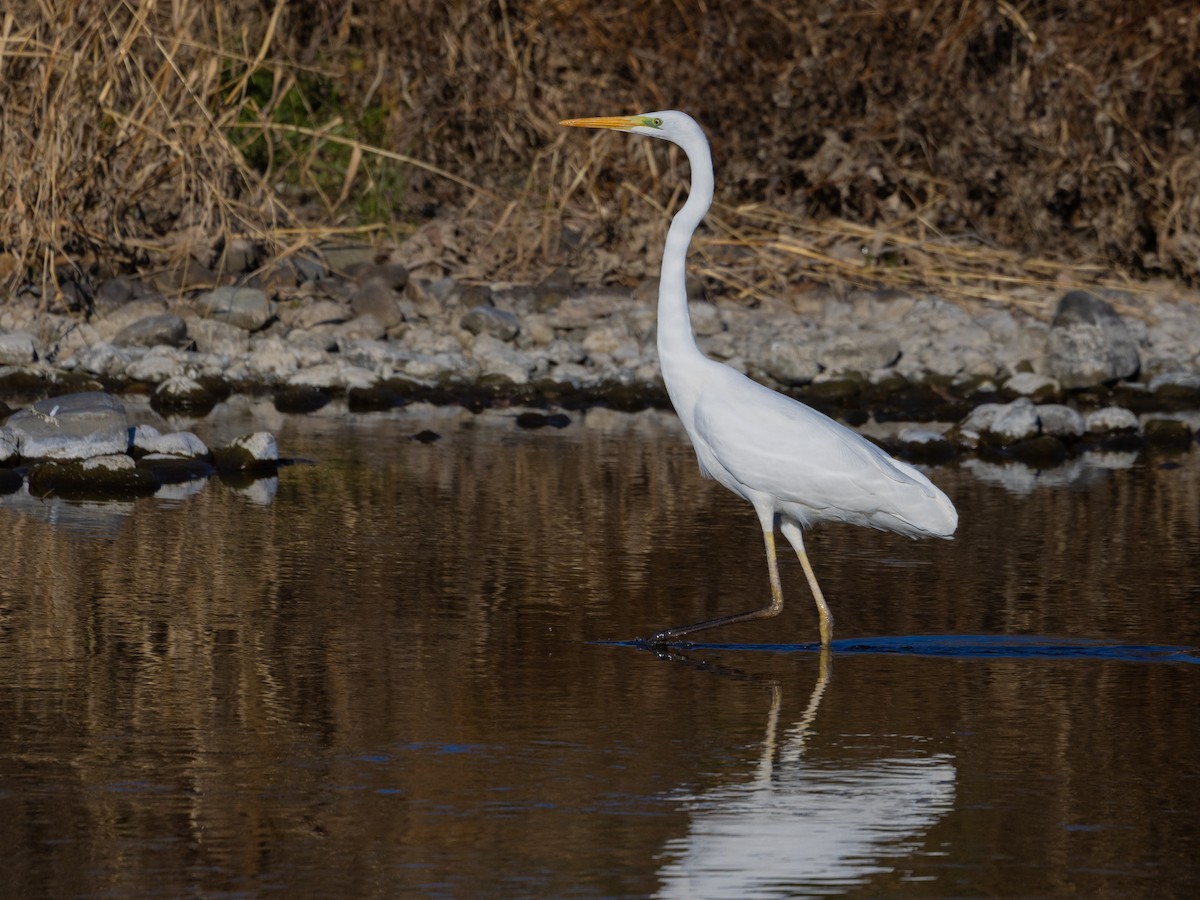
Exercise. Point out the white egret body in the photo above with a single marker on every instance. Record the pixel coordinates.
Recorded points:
(795, 465)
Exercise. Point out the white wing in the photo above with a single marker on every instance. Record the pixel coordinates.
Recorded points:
(774, 445)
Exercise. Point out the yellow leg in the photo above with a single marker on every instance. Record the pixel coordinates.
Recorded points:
(771, 609)
(791, 531)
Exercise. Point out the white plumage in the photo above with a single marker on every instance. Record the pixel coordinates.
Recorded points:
(795, 465)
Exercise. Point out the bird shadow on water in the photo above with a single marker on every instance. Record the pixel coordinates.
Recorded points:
(964, 646)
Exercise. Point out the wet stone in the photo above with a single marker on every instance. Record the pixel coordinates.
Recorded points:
(254, 454)
(1180, 389)
(181, 394)
(1060, 421)
(74, 426)
(1016, 422)
(300, 398)
(95, 478)
(146, 440)
(1111, 420)
(924, 446)
(8, 444)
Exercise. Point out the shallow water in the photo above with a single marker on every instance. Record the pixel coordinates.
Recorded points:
(391, 674)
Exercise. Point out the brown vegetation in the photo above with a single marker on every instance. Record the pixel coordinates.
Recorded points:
(891, 142)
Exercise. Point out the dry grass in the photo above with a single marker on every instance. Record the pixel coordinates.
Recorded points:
(978, 148)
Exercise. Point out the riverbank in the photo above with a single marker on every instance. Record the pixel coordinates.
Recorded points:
(364, 327)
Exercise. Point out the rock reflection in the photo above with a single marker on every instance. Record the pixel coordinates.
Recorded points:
(805, 828)
(83, 517)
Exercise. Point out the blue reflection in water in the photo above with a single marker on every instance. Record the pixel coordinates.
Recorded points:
(967, 646)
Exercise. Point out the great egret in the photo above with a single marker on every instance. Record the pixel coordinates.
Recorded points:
(795, 466)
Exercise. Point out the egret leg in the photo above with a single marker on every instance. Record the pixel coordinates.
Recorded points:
(791, 531)
(771, 609)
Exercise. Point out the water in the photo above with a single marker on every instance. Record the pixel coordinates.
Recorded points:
(391, 673)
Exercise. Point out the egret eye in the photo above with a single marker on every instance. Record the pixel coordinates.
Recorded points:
(654, 121)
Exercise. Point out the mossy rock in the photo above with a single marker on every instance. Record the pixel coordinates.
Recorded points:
(299, 398)
(175, 469)
(98, 478)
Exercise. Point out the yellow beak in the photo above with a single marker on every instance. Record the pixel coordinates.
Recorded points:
(618, 123)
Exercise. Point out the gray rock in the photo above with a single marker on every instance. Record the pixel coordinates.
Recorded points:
(1017, 421)
(377, 298)
(498, 323)
(260, 445)
(862, 352)
(1089, 343)
(152, 331)
(790, 363)
(342, 259)
(257, 452)
(271, 360)
(373, 354)
(147, 439)
(18, 348)
(214, 336)
(116, 462)
(1031, 384)
(181, 394)
(247, 308)
(1111, 419)
(74, 426)
(102, 359)
(1060, 421)
(499, 359)
(1176, 384)
(155, 367)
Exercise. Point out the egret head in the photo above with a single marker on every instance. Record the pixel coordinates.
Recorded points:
(668, 125)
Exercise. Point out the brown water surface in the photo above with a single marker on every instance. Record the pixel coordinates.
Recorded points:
(382, 676)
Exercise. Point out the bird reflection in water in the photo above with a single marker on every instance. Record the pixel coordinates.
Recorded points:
(805, 828)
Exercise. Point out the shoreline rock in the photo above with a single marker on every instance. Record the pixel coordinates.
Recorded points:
(380, 338)
(81, 446)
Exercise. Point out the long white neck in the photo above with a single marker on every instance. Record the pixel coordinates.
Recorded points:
(677, 350)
